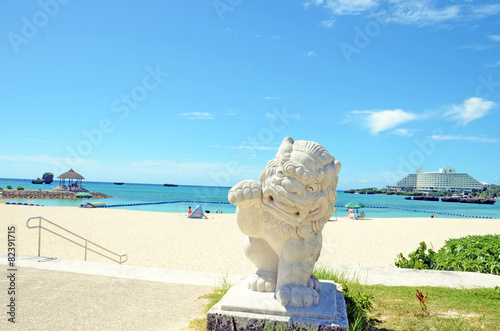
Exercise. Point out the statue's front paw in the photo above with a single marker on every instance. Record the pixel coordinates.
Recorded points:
(297, 296)
(247, 191)
(262, 281)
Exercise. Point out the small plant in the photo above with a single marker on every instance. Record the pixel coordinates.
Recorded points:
(20, 188)
(1, 188)
(358, 303)
(218, 290)
(9, 187)
(422, 298)
(418, 259)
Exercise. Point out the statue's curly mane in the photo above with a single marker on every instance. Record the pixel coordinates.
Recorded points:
(327, 174)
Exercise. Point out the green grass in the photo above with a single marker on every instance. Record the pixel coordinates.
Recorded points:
(218, 290)
(378, 307)
(397, 308)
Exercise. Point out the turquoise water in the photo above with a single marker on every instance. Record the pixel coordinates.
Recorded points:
(215, 198)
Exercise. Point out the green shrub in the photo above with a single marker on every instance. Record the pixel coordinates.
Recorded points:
(418, 259)
(471, 253)
(20, 188)
(9, 187)
(1, 188)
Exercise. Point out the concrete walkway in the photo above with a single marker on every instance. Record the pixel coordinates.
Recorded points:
(62, 294)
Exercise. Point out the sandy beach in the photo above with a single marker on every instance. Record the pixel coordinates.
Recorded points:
(171, 241)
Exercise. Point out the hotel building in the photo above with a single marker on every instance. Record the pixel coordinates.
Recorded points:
(443, 180)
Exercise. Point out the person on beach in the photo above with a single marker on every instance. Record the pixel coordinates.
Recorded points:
(432, 215)
(189, 210)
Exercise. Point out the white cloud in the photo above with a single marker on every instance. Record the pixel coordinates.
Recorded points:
(231, 112)
(485, 10)
(378, 121)
(38, 140)
(479, 139)
(311, 53)
(272, 37)
(470, 110)
(421, 13)
(403, 132)
(494, 37)
(271, 98)
(198, 116)
(493, 65)
(345, 7)
(476, 47)
(328, 23)
(408, 12)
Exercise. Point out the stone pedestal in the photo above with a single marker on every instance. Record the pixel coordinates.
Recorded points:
(244, 309)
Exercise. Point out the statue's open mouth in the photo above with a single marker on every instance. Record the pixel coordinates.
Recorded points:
(282, 207)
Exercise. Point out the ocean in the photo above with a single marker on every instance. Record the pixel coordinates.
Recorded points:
(178, 199)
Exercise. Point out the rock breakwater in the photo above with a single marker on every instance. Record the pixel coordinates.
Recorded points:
(46, 194)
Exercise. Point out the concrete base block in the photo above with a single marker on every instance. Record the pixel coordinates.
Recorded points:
(243, 309)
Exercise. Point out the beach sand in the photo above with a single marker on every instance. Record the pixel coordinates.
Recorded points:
(172, 241)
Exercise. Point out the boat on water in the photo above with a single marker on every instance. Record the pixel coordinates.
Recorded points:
(407, 198)
(170, 185)
(119, 183)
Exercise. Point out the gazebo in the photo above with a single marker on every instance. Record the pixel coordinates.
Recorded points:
(74, 179)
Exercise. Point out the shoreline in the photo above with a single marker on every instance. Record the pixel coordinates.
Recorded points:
(172, 241)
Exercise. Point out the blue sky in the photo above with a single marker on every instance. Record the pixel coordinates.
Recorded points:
(204, 92)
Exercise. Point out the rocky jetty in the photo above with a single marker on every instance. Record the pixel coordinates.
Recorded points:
(47, 194)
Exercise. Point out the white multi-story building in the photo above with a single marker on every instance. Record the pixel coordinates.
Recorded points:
(443, 180)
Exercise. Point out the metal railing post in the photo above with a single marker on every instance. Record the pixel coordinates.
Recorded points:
(39, 234)
(85, 250)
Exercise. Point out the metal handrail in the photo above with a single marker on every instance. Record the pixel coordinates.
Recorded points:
(40, 227)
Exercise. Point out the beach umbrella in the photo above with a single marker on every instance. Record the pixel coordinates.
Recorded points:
(355, 205)
(83, 195)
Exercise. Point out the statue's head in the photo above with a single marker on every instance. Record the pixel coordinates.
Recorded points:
(299, 184)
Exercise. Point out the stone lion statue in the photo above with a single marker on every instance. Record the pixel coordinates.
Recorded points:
(283, 215)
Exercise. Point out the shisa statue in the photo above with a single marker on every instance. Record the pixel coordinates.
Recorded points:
(283, 215)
